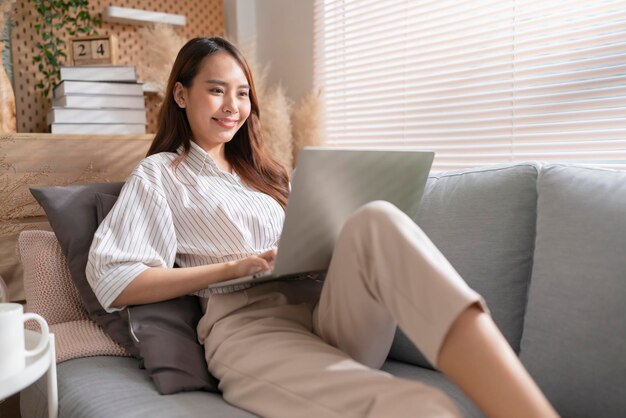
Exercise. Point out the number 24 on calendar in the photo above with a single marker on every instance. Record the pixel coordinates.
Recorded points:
(94, 50)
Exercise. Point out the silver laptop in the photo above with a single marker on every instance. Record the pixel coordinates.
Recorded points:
(328, 185)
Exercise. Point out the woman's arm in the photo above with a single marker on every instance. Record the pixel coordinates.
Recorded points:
(157, 284)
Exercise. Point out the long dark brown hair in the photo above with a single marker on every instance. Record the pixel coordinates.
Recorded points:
(246, 152)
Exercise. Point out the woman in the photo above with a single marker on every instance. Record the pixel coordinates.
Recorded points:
(209, 198)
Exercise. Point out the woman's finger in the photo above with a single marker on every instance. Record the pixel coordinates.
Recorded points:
(262, 266)
(268, 255)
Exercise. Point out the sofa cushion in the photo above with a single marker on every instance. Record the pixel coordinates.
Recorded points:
(437, 380)
(48, 289)
(49, 292)
(165, 335)
(71, 211)
(123, 391)
(483, 221)
(574, 341)
(113, 387)
(75, 213)
(104, 204)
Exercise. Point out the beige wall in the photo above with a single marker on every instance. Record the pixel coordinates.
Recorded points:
(278, 33)
(31, 160)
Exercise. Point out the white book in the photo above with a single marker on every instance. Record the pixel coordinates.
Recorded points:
(96, 87)
(99, 73)
(98, 128)
(72, 115)
(92, 101)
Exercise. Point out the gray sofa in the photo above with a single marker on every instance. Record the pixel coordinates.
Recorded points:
(544, 244)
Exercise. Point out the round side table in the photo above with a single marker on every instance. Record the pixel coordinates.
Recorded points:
(35, 368)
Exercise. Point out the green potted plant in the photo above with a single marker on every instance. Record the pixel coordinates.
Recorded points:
(58, 18)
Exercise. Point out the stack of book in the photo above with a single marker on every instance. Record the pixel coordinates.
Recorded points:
(98, 100)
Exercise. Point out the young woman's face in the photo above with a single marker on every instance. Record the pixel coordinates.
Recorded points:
(218, 102)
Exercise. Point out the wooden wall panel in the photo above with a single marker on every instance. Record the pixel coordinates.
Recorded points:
(28, 160)
(204, 18)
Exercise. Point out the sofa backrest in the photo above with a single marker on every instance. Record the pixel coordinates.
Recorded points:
(483, 221)
(574, 339)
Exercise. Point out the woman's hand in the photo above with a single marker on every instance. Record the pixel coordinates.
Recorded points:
(253, 264)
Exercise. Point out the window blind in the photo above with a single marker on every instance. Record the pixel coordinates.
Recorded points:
(478, 82)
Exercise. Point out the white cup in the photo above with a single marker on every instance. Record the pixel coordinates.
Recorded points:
(13, 352)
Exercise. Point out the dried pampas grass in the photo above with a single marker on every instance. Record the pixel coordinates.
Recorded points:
(6, 7)
(275, 108)
(286, 128)
(161, 45)
(276, 124)
(306, 123)
(260, 78)
(15, 200)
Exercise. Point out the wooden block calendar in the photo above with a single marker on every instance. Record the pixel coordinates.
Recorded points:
(94, 50)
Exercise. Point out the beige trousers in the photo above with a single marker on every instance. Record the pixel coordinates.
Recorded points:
(302, 349)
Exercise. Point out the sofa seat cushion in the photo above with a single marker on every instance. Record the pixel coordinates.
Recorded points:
(107, 386)
(483, 221)
(436, 380)
(573, 342)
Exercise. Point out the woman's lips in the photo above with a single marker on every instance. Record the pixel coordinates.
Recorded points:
(226, 123)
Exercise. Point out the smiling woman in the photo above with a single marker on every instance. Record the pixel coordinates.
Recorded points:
(216, 108)
(211, 100)
(210, 199)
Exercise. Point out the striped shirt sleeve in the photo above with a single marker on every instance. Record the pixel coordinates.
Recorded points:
(137, 234)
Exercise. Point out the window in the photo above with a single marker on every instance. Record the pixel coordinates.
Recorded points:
(478, 82)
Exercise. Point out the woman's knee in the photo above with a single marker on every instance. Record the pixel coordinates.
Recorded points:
(375, 211)
(378, 208)
(378, 212)
(381, 221)
(359, 222)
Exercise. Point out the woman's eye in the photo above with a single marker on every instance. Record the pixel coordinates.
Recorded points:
(243, 94)
(216, 90)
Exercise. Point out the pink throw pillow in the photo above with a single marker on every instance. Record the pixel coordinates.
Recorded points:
(51, 293)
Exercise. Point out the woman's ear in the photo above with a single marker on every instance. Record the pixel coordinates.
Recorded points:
(179, 95)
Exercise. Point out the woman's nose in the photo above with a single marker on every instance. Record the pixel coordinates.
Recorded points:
(229, 105)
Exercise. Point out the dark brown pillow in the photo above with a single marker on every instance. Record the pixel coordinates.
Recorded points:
(168, 345)
(71, 211)
(164, 330)
(166, 335)
(104, 204)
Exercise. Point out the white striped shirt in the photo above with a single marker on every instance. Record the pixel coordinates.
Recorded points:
(194, 215)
